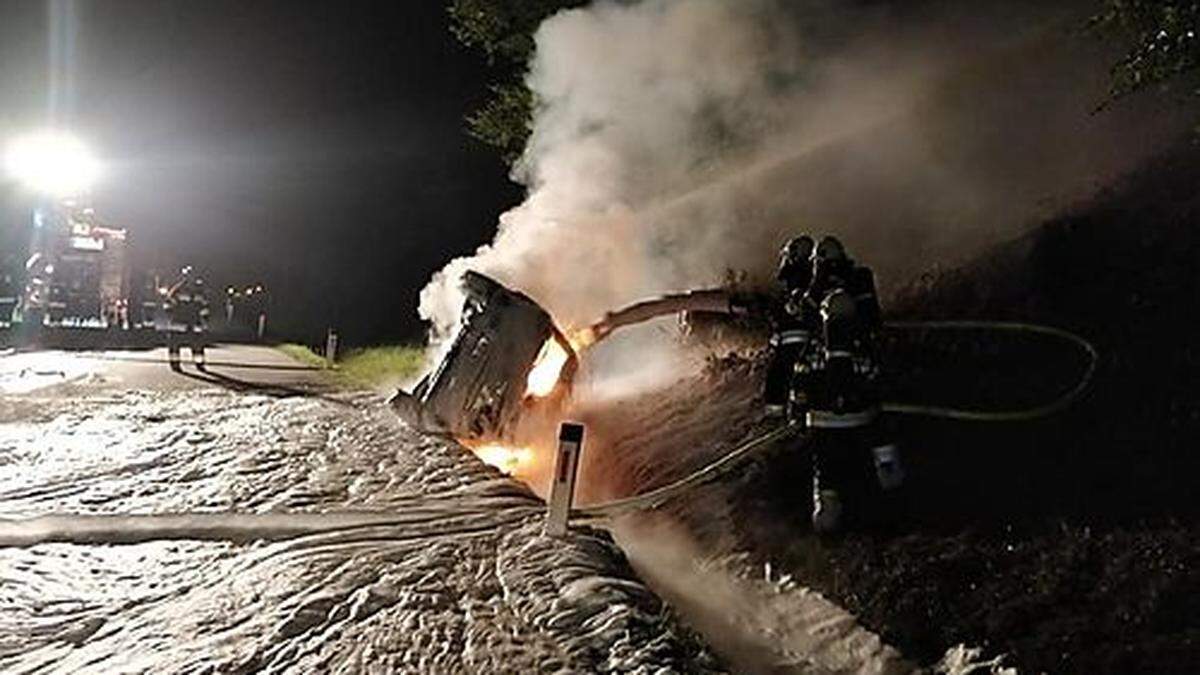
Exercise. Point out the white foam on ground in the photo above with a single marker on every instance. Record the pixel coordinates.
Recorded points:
(209, 531)
(757, 622)
(28, 372)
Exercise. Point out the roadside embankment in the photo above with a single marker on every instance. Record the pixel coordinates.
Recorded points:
(1069, 544)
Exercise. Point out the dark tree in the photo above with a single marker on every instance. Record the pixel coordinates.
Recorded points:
(1163, 48)
(503, 30)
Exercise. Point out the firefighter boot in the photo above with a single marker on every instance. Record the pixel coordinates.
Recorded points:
(827, 511)
(889, 471)
(826, 505)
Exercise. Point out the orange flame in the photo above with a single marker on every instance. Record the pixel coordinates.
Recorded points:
(506, 458)
(547, 368)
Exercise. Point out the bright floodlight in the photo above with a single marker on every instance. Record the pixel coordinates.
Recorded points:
(52, 162)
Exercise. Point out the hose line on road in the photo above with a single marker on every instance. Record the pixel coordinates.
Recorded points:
(722, 465)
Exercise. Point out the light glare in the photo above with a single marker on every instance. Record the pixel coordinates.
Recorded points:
(53, 163)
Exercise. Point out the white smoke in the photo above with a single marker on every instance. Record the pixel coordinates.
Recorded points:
(677, 139)
(630, 99)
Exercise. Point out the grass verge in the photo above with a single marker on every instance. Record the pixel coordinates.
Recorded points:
(375, 367)
(302, 354)
(368, 367)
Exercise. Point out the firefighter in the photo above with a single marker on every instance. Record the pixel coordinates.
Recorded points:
(854, 464)
(187, 305)
(794, 322)
(8, 297)
(831, 269)
(795, 264)
(36, 298)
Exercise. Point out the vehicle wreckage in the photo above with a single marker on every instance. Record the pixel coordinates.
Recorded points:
(509, 358)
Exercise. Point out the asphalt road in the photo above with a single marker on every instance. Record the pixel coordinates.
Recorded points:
(249, 517)
(229, 366)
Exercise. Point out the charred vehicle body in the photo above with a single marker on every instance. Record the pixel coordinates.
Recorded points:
(507, 358)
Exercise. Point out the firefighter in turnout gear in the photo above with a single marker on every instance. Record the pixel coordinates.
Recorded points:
(834, 391)
(9, 294)
(794, 323)
(832, 269)
(187, 306)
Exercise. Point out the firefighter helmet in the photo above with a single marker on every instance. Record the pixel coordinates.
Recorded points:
(797, 249)
(830, 249)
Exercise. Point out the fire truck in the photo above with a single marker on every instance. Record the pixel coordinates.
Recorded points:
(77, 273)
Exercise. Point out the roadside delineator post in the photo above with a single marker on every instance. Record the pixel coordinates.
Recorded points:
(331, 344)
(562, 486)
(174, 352)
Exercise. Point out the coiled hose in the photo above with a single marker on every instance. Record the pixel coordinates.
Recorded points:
(1057, 405)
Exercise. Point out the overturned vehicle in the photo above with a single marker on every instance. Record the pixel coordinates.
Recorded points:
(507, 359)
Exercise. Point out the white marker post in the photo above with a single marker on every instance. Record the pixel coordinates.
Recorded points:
(331, 340)
(562, 487)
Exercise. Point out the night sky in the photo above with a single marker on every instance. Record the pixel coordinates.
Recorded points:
(315, 146)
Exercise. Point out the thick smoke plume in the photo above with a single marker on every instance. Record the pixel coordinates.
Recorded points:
(679, 139)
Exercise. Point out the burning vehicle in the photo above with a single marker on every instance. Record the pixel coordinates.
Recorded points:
(507, 359)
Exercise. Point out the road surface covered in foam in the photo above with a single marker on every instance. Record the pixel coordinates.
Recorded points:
(204, 529)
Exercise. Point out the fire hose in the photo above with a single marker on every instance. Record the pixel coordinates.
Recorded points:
(655, 497)
(1028, 414)
(708, 300)
(719, 300)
